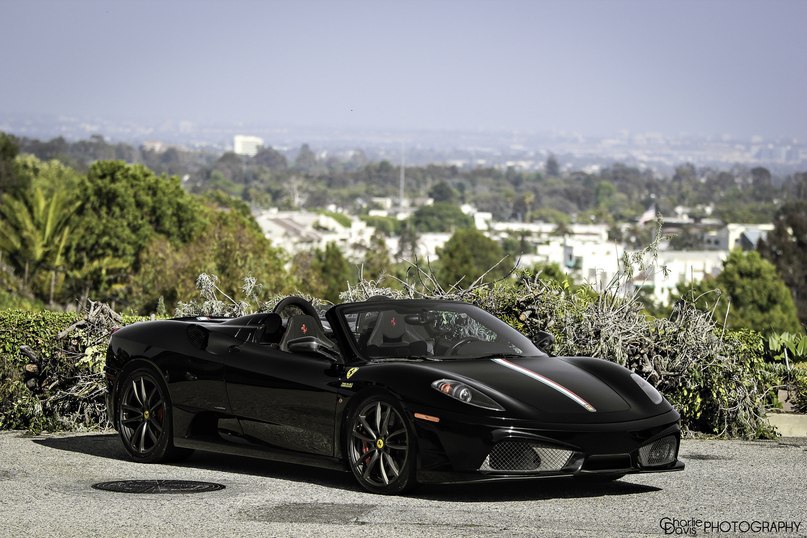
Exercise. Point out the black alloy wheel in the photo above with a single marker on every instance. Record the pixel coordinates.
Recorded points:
(381, 446)
(144, 418)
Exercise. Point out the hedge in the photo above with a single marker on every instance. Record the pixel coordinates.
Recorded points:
(64, 388)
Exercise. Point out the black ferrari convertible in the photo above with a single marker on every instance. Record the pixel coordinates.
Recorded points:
(399, 392)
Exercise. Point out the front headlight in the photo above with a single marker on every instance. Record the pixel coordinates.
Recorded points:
(465, 394)
(654, 395)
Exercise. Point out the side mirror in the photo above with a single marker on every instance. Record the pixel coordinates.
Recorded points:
(544, 340)
(309, 344)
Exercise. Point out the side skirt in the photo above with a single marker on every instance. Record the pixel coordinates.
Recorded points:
(224, 447)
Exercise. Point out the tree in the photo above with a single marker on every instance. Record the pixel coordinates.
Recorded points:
(306, 161)
(408, 242)
(231, 246)
(35, 233)
(377, 258)
(757, 295)
(50, 176)
(796, 186)
(443, 192)
(786, 247)
(270, 158)
(467, 255)
(761, 183)
(552, 167)
(334, 269)
(305, 274)
(10, 179)
(230, 166)
(440, 217)
(550, 272)
(683, 184)
(123, 207)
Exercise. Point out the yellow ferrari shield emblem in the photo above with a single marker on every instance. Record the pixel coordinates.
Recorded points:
(351, 372)
(379, 444)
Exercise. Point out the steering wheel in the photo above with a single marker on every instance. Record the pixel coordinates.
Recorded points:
(299, 302)
(456, 347)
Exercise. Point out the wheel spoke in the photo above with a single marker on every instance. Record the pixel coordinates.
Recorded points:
(137, 433)
(392, 446)
(370, 465)
(155, 406)
(143, 400)
(156, 426)
(381, 466)
(392, 466)
(378, 417)
(150, 396)
(385, 425)
(396, 432)
(364, 438)
(131, 408)
(143, 429)
(136, 394)
(367, 427)
(151, 433)
(130, 420)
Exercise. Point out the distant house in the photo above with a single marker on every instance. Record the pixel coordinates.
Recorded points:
(298, 231)
(731, 236)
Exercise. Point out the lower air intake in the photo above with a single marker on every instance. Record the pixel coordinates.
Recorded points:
(660, 452)
(524, 456)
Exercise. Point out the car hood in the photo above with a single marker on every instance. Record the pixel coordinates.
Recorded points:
(578, 389)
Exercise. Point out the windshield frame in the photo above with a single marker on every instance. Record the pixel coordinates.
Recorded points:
(338, 315)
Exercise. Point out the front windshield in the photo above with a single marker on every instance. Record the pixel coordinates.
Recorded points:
(431, 330)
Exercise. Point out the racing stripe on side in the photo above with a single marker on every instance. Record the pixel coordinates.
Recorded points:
(548, 382)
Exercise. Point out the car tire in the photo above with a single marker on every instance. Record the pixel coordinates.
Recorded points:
(143, 417)
(380, 446)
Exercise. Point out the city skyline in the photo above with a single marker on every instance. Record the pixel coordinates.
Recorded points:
(594, 68)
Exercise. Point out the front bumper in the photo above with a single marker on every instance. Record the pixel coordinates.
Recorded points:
(459, 449)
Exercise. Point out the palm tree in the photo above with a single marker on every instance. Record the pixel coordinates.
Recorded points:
(35, 231)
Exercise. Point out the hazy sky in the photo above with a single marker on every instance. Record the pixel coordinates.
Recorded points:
(594, 67)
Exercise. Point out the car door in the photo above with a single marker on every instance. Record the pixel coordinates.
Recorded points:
(193, 359)
(284, 400)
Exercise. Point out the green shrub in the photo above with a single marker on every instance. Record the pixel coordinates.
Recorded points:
(799, 386)
(19, 407)
(66, 390)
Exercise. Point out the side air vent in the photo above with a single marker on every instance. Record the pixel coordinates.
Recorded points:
(198, 336)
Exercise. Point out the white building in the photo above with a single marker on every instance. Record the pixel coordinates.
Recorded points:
(299, 231)
(731, 236)
(247, 145)
(683, 266)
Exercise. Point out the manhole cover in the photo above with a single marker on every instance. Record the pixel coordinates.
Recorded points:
(158, 486)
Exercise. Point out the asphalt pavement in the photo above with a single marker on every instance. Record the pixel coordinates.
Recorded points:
(754, 488)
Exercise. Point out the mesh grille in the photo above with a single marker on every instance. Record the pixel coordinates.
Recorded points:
(523, 456)
(660, 452)
(198, 336)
